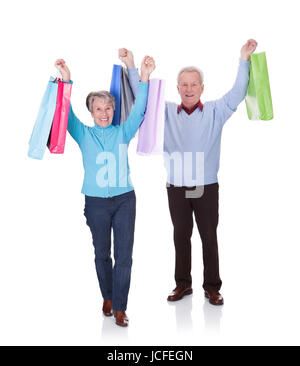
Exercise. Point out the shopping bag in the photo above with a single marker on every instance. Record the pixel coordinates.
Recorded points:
(258, 99)
(151, 131)
(57, 138)
(41, 130)
(127, 97)
(115, 90)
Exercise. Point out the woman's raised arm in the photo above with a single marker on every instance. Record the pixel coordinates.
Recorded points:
(62, 67)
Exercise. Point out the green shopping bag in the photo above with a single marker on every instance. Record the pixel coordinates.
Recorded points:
(258, 98)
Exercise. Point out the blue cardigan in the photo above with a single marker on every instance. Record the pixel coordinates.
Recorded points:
(104, 150)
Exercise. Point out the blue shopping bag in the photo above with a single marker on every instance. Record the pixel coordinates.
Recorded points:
(41, 130)
(115, 90)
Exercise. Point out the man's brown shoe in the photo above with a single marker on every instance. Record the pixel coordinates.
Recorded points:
(107, 308)
(215, 298)
(121, 318)
(179, 293)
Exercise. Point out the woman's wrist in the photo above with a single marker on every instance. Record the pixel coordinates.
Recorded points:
(66, 77)
(144, 78)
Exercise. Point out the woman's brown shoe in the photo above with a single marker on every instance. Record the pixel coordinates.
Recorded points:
(107, 308)
(121, 318)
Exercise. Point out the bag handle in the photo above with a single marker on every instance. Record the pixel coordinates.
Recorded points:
(58, 75)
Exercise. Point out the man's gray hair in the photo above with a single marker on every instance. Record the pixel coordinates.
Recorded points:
(103, 94)
(191, 69)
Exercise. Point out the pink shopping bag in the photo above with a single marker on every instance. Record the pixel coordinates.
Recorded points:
(57, 138)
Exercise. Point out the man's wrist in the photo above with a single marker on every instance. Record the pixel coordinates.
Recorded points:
(130, 65)
(245, 58)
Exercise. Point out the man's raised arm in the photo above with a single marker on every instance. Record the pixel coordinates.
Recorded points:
(126, 56)
(230, 101)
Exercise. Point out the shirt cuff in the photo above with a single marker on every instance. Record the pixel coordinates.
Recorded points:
(132, 70)
(143, 84)
(68, 82)
(246, 63)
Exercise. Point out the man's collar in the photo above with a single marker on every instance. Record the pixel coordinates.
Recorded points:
(190, 110)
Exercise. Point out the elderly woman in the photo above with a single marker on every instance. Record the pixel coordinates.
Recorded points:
(110, 202)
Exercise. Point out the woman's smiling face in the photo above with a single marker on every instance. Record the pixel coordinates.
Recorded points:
(103, 112)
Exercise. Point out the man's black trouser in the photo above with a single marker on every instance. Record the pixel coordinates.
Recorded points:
(206, 210)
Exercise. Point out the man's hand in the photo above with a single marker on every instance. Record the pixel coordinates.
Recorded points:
(61, 66)
(126, 56)
(148, 65)
(248, 48)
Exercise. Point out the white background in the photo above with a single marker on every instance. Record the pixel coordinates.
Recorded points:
(49, 293)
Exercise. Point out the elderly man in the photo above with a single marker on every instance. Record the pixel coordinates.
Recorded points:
(192, 143)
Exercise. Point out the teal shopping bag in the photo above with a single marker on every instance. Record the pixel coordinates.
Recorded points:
(42, 127)
(258, 99)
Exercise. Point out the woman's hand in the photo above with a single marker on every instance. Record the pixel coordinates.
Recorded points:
(148, 65)
(126, 56)
(61, 66)
(248, 48)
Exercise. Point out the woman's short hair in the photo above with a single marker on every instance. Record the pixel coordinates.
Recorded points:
(103, 94)
(191, 69)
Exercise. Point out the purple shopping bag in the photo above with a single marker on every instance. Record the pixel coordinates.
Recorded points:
(151, 131)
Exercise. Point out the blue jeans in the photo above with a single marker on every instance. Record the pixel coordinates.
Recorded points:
(117, 214)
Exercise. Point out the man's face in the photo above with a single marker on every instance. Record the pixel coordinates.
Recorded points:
(103, 112)
(190, 88)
